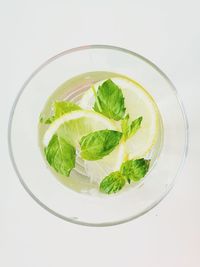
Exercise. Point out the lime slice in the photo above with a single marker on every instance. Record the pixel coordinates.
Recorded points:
(138, 103)
(72, 126)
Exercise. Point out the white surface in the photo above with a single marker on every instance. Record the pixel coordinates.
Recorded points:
(166, 32)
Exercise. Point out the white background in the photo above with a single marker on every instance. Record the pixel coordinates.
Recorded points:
(166, 32)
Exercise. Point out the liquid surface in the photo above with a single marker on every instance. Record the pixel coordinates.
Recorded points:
(73, 90)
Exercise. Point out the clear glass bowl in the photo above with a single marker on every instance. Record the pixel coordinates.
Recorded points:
(28, 162)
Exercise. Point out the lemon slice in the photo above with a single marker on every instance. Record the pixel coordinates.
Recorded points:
(78, 123)
(138, 103)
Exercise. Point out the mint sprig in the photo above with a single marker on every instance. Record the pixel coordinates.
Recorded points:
(60, 155)
(135, 169)
(109, 100)
(130, 128)
(112, 183)
(99, 144)
(131, 170)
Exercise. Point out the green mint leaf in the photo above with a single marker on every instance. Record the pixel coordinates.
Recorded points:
(131, 170)
(112, 183)
(98, 144)
(60, 155)
(109, 101)
(135, 169)
(130, 128)
(60, 108)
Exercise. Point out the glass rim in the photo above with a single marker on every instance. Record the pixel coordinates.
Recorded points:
(88, 47)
